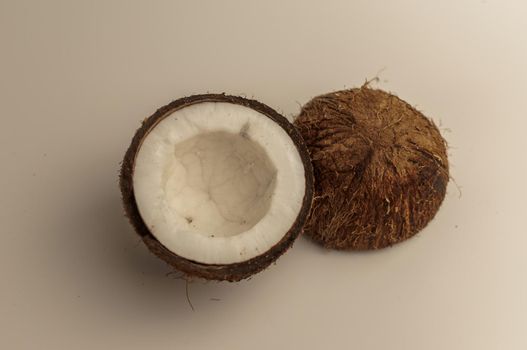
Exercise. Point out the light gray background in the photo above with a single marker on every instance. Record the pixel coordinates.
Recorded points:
(76, 79)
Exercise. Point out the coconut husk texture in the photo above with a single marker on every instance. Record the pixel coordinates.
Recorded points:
(228, 272)
(381, 168)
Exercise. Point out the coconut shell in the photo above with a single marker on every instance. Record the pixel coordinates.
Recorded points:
(228, 272)
(381, 168)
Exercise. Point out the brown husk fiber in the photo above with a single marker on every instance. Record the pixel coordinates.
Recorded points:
(381, 168)
(229, 272)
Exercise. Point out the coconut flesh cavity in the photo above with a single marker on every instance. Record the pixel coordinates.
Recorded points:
(217, 186)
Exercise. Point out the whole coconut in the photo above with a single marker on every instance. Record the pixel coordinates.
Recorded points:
(381, 168)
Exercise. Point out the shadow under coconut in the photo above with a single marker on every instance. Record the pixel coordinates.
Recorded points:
(136, 281)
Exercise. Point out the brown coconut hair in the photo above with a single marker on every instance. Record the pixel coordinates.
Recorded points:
(381, 168)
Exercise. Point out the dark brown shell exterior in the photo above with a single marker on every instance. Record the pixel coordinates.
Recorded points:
(381, 168)
(229, 272)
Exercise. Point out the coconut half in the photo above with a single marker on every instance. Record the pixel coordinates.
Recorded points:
(381, 168)
(217, 186)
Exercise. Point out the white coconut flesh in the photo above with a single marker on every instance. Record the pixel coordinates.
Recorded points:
(218, 183)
